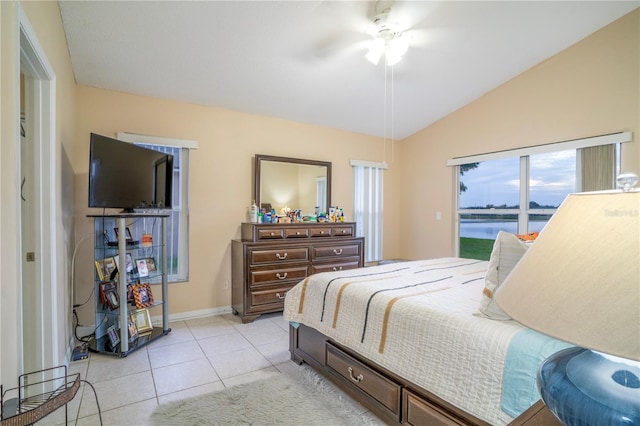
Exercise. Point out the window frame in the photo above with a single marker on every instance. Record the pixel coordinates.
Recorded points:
(183, 223)
(523, 212)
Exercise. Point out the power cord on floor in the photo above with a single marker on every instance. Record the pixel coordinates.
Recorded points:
(97, 403)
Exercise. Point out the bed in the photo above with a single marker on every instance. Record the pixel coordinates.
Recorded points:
(408, 339)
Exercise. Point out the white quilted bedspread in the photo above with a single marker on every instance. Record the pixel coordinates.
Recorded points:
(415, 319)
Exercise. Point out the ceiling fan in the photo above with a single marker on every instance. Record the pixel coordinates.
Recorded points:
(388, 37)
(386, 29)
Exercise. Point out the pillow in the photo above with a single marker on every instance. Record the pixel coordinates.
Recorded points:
(507, 251)
(531, 236)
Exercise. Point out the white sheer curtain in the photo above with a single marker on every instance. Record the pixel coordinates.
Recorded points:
(368, 206)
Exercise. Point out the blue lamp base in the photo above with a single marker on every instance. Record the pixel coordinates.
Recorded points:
(584, 388)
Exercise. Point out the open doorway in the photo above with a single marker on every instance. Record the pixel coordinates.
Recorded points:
(37, 204)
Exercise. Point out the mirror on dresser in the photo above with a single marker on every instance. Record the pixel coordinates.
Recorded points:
(292, 182)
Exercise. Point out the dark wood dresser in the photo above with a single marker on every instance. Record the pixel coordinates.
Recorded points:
(272, 258)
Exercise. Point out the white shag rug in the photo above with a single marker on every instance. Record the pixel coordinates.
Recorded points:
(300, 397)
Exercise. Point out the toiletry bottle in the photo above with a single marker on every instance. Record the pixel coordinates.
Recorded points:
(253, 212)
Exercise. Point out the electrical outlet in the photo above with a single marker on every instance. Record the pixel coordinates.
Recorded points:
(225, 286)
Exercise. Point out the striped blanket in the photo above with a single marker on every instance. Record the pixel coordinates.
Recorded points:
(415, 319)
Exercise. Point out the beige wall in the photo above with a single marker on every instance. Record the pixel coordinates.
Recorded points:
(590, 89)
(221, 175)
(44, 18)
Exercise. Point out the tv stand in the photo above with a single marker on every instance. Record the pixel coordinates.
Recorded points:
(110, 319)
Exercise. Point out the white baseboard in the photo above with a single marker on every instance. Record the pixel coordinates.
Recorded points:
(200, 313)
(85, 330)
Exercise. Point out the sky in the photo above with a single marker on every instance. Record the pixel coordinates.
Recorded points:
(497, 182)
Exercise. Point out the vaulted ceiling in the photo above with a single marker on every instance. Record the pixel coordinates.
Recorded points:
(304, 60)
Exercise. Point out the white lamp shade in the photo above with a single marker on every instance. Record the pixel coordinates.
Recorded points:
(580, 280)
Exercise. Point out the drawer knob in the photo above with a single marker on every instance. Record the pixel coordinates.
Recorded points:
(281, 277)
(356, 379)
(337, 251)
(322, 232)
(344, 231)
(282, 257)
(281, 297)
(339, 268)
(272, 234)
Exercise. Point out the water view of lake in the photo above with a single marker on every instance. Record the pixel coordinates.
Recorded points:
(488, 229)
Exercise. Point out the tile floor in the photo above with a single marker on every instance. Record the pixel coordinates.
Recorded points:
(198, 356)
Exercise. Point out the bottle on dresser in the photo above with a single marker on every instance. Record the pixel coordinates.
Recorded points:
(253, 212)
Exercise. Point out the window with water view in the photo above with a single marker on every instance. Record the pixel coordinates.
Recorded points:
(517, 195)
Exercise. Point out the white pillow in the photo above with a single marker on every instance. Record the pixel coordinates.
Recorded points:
(507, 251)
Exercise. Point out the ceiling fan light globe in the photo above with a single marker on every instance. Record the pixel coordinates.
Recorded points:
(376, 49)
(398, 45)
(373, 57)
(391, 58)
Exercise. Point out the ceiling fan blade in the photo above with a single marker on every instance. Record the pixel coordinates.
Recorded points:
(430, 37)
(341, 43)
(409, 14)
(351, 15)
(337, 28)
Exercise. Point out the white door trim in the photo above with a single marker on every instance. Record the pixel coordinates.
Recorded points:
(34, 60)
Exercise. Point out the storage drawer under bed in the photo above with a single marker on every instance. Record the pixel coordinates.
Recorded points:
(383, 390)
(418, 412)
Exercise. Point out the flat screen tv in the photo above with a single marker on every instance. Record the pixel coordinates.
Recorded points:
(125, 176)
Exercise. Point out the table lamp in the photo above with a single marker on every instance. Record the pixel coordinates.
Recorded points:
(580, 282)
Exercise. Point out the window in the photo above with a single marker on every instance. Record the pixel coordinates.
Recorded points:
(177, 242)
(367, 206)
(518, 191)
(516, 195)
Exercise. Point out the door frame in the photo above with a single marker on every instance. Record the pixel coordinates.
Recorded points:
(42, 104)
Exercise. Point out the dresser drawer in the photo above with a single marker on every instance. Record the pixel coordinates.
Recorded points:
(342, 231)
(272, 295)
(284, 254)
(418, 412)
(377, 386)
(270, 234)
(335, 266)
(335, 251)
(296, 232)
(261, 276)
(319, 232)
